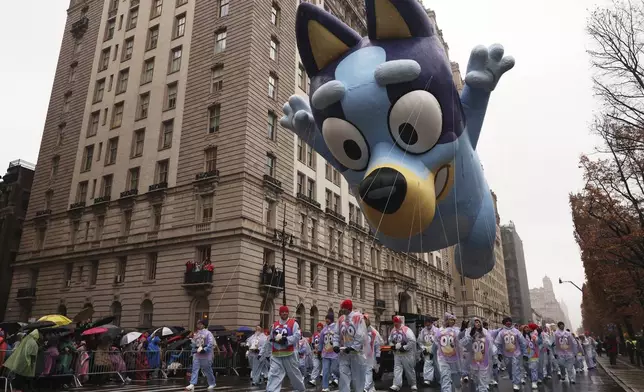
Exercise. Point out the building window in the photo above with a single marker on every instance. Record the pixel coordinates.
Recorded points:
(72, 73)
(93, 273)
(171, 96)
(153, 38)
(313, 276)
(128, 49)
(271, 213)
(337, 204)
(220, 41)
(138, 141)
(99, 90)
(133, 18)
(223, 8)
(156, 217)
(100, 225)
(106, 187)
(303, 222)
(271, 162)
(328, 198)
(151, 270)
(167, 129)
(88, 158)
(179, 26)
(204, 253)
(116, 52)
(55, 162)
(175, 59)
(216, 78)
(148, 71)
(300, 183)
(104, 60)
(112, 149)
(310, 158)
(109, 29)
(81, 192)
(66, 102)
(301, 78)
(78, 44)
(94, 118)
(157, 5)
(162, 171)
(310, 189)
(272, 125)
(117, 114)
(340, 283)
(301, 272)
(206, 209)
(133, 179)
(144, 104)
(329, 279)
(121, 84)
(272, 86)
(147, 312)
(127, 222)
(181, 2)
(274, 49)
(300, 149)
(214, 115)
(210, 156)
(275, 15)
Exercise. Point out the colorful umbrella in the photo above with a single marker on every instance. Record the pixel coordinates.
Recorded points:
(57, 319)
(102, 329)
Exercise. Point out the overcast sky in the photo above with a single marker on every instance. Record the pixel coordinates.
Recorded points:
(535, 130)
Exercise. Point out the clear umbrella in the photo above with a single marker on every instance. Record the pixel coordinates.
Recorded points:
(129, 338)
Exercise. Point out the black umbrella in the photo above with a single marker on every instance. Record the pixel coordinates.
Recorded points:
(178, 344)
(10, 328)
(102, 322)
(216, 328)
(38, 325)
(84, 314)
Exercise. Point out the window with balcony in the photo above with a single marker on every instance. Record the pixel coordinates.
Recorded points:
(273, 53)
(216, 79)
(153, 38)
(133, 18)
(210, 155)
(88, 158)
(172, 90)
(104, 61)
(220, 41)
(117, 115)
(175, 59)
(81, 192)
(272, 86)
(128, 49)
(138, 141)
(99, 90)
(272, 125)
(179, 26)
(151, 266)
(133, 179)
(223, 8)
(275, 15)
(112, 149)
(106, 186)
(121, 84)
(271, 163)
(214, 116)
(161, 172)
(148, 71)
(167, 130)
(143, 106)
(157, 6)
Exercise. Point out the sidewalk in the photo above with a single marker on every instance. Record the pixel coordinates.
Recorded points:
(626, 375)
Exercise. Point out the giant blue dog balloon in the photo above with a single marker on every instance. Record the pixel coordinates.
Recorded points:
(385, 112)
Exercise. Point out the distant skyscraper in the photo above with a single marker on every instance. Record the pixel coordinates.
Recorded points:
(516, 274)
(544, 301)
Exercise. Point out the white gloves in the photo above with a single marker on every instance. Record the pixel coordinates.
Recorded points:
(278, 337)
(398, 346)
(376, 368)
(199, 349)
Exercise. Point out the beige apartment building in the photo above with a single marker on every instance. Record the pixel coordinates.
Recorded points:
(162, 146)
(486, 298)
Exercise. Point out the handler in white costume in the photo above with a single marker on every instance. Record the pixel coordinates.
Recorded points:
(254, 343)
(352, 344)
(373, 365)
(284, 338)
(479, 354)
(426, 343)
(403, 340)
(448, 354)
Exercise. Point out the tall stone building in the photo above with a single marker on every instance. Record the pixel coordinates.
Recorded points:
(15, 188)
(516, 274)
(545, 302)
(162, 146)
(487, 297)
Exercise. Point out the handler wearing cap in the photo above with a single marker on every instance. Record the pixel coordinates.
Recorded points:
(352, 344)
(284, 337)
(202, 356)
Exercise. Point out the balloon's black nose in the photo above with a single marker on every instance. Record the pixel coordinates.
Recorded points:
(384, 190)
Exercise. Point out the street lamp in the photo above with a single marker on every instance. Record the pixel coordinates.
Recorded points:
(572, 283)
(282, 239)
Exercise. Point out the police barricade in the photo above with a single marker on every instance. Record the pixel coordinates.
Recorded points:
(178, 363)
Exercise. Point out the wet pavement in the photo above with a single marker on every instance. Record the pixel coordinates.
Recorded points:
(628, 376)
(596, 380)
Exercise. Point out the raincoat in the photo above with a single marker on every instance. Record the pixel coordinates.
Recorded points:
(352, 333)
(23, 359)
(447, 352)
(565, 347)
(404, 343)
(511, 345)
(480, 359)
(3, 348)
(67, 350)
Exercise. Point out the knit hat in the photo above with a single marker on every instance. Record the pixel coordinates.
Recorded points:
(346, 304)
(533, 326)
(330, 317)
(507, 320)
(319, 325)
(283, 309)
(397, 319)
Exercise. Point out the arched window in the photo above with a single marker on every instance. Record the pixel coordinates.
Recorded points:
(201, 310)
(404, 303)
(314, 318)
(299, 316)
(115, 310)
(147, 310)
(62, 310)
(266, 314)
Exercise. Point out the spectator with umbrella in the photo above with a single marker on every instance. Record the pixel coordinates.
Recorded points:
(154, 353)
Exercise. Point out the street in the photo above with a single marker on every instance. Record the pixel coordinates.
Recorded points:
(595, 380)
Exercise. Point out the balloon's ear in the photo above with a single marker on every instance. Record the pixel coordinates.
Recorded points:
(397, 19)
(321, 37)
